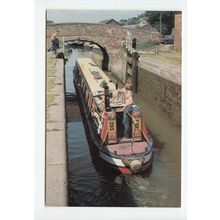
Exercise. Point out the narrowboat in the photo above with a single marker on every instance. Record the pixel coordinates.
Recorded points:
(104, 115)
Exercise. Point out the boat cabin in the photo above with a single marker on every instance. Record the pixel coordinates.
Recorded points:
(106, 104)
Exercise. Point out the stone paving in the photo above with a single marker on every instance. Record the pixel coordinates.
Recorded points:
(166, 70)
(56, 152)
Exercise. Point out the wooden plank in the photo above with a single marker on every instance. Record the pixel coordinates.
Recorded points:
(129, 71)
(135, 57)
(129, 60)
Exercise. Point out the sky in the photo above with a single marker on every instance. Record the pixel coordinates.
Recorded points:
(90, 16)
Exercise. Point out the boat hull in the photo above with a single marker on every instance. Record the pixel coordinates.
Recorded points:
(123, 164)
(123, 167)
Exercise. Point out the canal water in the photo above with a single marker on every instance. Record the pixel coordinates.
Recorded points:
(92, 183)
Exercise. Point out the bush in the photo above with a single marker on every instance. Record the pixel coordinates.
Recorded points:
(147, 45)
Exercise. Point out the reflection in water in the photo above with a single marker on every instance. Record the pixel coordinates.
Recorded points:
(93, 183)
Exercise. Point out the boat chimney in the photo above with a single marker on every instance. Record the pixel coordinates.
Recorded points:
(106, 93)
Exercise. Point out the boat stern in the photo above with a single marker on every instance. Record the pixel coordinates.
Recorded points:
(129, 158)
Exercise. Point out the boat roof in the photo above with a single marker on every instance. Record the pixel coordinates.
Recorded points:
(94, 76)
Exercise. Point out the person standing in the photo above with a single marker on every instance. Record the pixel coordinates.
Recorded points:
(127, 110)
(55, 42)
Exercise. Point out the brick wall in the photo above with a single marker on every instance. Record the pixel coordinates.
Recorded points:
(178, 30)
(118, 33)
(162, 94)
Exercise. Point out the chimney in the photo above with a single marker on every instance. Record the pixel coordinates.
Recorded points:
(107, 102)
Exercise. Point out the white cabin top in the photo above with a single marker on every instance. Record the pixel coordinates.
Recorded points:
(94, 76)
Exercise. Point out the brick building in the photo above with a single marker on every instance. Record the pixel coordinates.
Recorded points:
(178, 30)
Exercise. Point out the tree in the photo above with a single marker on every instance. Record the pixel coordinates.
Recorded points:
(153, 17)
(132, 21)
(167, 20)
(123, 21)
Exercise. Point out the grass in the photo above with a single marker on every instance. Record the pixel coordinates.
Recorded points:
(50, 82)
(54, 129)
(165, 53)
(50, 99)
(50, 102)
(173, 57)
(50, 72)
(147, 45)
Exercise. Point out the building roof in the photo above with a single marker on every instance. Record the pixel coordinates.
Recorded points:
(90, 70)
(107, 21)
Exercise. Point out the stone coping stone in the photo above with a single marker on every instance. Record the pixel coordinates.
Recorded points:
(56, 180)
(56, 152)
